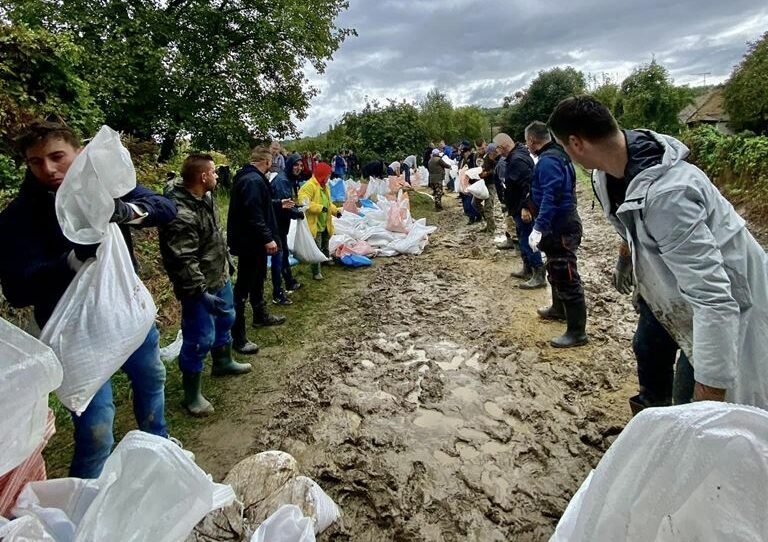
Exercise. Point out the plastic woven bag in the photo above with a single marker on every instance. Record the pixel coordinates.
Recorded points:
(691, 472)
(102, 172)
(304, 247)
(149, 490)
(338, 190)
(102, 318)
(29, 371)
(287, 524)
(479, 190)
(355, 260)
(395, 221)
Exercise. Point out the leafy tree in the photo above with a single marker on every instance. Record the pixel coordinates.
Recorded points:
(222, 71)
(389, 132)
(746, 92)
(471, 123)
(605, 89)
(648, 99)
(540, 98)
(436, 112)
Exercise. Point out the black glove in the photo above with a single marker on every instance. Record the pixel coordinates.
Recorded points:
(338, 214)
(123, 212)
(86, 252)
(622, 277)
(299, 216)
(325, 209)
(214, 304)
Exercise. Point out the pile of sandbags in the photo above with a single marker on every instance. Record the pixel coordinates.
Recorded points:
(383, 228)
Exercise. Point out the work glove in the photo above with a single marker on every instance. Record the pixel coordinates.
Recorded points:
(123, 212)
(622, 277)
(299, 216)
(213, 304)
(534, 239)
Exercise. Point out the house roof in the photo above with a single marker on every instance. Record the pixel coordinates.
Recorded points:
(707, 108)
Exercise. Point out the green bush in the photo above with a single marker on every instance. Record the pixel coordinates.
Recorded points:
(738, 164)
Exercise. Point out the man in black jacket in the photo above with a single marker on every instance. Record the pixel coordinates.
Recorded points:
(196, 258)
(252, 234)
(38, 264)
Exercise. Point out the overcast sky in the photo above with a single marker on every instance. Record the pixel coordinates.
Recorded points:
(477, 52)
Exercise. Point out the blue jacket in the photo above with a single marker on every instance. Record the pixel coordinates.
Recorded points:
(284, 188)
(553, 188)
(34, 269)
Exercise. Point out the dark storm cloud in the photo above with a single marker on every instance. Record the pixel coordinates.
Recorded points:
(478, 52)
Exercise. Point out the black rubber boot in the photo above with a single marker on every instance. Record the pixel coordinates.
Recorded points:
(538, 280)
(641, 401)
(524, 274)
(261, 318)
(194, 402)
(240, 341)
(223, 364)
(554, 312)
(575, 334)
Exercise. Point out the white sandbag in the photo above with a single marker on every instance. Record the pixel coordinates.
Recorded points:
(479, 190)
(102, 318)
(474, 173)
(448, 161)
(292, 234)
(423, 176)
(24, 529)
(29, 371)
(692, 472)
(149, 490)
(102, 172)
(287, 524)
(304, 246)
(326, 511)
(171, 351)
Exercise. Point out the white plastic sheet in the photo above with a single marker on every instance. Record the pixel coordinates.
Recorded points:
(29, 371)
(24, 529)
(695, 472)
(479, 190)
(102, 172)
(304, 246)
(171, 351)
(287, 524)
(102, 318)
(149, 490)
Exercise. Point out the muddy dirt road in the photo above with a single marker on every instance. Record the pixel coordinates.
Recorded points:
(435, 410)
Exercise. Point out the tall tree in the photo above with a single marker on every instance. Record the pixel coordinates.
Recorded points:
(605, 89)
(222, 71)
(436, 112)
(649, 99)
(540, 98)
(746, 92)
(472, 122)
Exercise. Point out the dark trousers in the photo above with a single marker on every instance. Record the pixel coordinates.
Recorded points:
(530, 258)
(656, 352)
(560, 246)
(286, 263)
(251, 273)
(469, 209)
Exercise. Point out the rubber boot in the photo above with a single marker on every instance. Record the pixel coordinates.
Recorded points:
(575, 334)
(641, 401)
(524, 274)
(556, 311)
(261, 318)
(506, 244)
(223, 364)
(240, 342)
(537, 280)
(194, 402)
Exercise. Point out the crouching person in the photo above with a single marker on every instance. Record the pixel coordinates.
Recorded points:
(197, 261)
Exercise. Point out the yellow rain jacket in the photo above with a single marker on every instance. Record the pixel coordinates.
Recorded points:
(311, 192)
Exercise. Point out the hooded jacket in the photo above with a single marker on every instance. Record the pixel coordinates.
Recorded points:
(311, 192)
(697, 266)
(251, 222)
(284, 188)
(518, 170)
(33, 269)
(193, 246)
(553, 190)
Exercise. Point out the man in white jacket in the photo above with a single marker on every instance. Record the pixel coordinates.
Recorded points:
(695, 263)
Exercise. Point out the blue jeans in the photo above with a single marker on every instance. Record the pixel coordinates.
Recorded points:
(656, 352)
(93, 429)
(277, 275)
(469, 209)
(530, 258)
(202, 331)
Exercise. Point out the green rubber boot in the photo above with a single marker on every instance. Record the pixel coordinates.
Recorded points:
(223, 364)
(194, 402)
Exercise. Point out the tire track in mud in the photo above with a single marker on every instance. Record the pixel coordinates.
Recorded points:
(438, 412)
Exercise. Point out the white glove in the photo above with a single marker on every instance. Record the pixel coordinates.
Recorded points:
(534, 239)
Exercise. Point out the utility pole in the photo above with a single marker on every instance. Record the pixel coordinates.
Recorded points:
(704, 75)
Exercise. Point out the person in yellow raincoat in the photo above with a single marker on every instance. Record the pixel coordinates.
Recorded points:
(320, 210)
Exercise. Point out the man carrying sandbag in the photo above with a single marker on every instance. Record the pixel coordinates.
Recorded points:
(252, 234)
(197, 260)
(39, 263)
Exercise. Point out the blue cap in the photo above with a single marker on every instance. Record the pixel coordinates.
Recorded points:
(490, 148)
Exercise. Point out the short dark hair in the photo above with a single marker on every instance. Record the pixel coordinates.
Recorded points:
(40, 131)
(538, 131)
(194, 165)
(583, 116)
